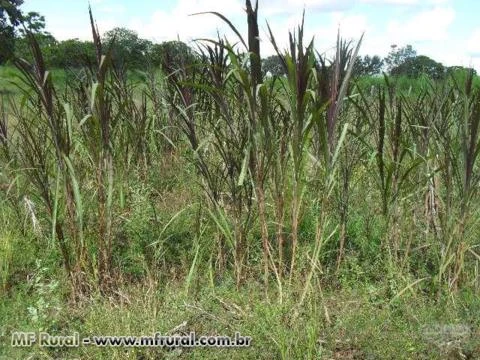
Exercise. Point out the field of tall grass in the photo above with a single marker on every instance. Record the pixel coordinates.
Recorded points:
(325, 216)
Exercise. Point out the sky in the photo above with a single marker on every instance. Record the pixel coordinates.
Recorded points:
(445, 30)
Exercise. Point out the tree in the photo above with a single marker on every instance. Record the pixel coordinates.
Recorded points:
(73, 53)
(46, 42)
(460, 70)
(413, 67)
(273, 65)
(171, 54)
(129, 49)
(32, 22)
(368, 65)
(398, 56)
(10, 18)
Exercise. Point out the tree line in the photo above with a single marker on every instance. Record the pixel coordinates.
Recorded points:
(133, 52)
(128, 49)
(400, 61)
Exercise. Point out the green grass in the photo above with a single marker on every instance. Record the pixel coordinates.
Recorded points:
(354, 317)
(7, 75)
(352, 323)
(9, 78)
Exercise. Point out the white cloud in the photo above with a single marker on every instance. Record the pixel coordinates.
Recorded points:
(405, 2)
(63, 29)
(427, 26)
(391, 2)
(163, 25)
(178, 22)
(430, 25)
(279, 7)
(351, 26)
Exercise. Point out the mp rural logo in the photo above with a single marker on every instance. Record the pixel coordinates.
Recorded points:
(44, 339)
(27, 339)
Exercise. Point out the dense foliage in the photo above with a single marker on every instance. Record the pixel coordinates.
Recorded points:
(10, 17)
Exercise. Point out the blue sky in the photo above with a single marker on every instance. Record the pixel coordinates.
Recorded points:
(446, 30)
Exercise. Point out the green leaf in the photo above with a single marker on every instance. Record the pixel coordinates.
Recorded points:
(77, 196)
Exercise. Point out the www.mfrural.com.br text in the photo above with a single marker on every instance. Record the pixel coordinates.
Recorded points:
(44, 339)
